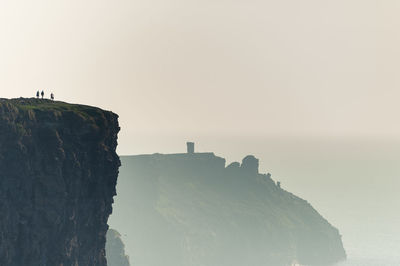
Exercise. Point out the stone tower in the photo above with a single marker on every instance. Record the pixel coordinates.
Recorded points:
(190, 147)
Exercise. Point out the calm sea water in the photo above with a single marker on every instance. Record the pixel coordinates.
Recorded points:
(353, 183)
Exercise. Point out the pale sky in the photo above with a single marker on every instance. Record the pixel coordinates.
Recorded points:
(191, 68)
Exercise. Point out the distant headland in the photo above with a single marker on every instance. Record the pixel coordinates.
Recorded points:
(200, 211)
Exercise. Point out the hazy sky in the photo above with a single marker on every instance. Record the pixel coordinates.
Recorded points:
(199, 67)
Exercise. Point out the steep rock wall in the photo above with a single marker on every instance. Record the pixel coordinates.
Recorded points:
(58, 171)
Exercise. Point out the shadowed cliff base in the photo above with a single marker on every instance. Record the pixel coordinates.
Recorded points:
(191, 209)
(58, 171)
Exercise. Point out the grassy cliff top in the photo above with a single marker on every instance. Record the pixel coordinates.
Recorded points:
(46, 105)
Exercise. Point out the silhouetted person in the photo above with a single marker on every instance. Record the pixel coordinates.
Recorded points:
(42, 94)
(52, 96)
(37, 94)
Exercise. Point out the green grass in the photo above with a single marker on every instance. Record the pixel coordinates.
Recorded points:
(33, 104)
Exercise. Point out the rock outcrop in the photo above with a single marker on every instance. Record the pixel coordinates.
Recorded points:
(195, 211)
(250, 164)
(115, 249)
(58, 171)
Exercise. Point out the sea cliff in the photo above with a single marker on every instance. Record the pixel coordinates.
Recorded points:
(196, 210)
(58, 171)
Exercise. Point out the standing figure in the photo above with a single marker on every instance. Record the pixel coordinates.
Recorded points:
(52, 96)
(42, 94)
(37, 94)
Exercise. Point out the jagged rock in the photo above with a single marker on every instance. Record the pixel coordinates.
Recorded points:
(115, 249)
(250, 164)
(233, 166)
(58, 171)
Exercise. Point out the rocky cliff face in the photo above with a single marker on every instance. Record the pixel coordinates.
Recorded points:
(58, 171)
(196, 211)
(115, 249)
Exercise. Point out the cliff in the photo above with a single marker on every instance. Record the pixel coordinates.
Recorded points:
(115, 249)
(58, 171)
(194, 210)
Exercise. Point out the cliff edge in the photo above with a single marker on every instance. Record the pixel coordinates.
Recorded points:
(58, 171)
